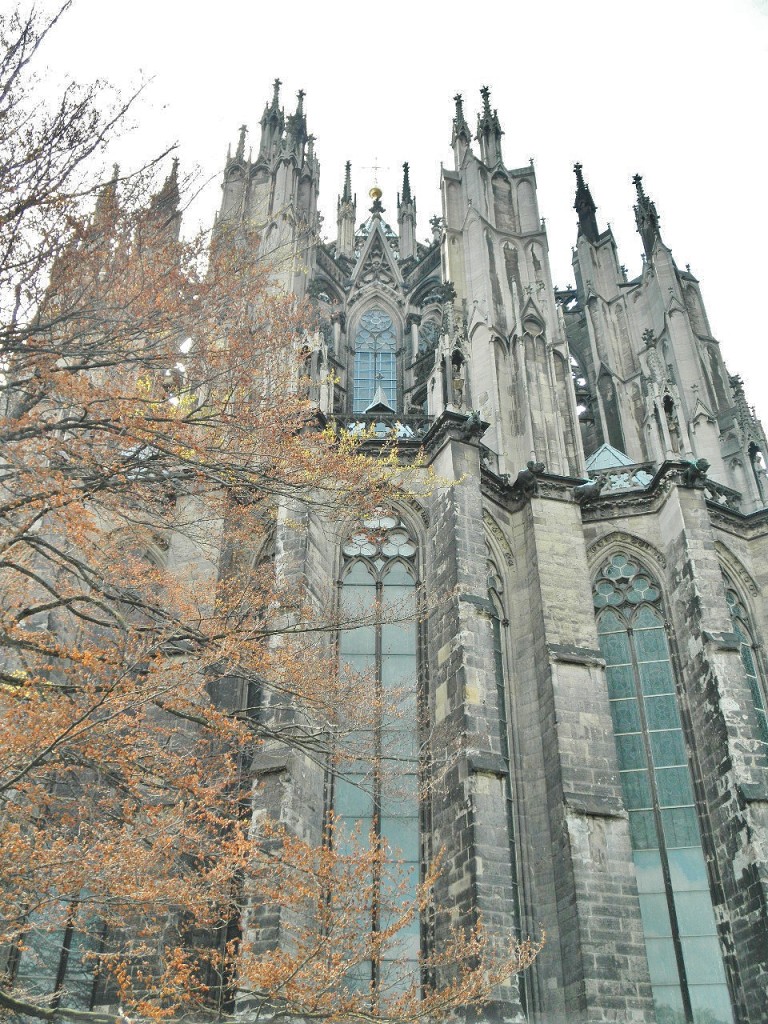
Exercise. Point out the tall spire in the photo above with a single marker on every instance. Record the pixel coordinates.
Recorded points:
(240, 153)
(585, 207)
(167, 199)
(646, 218)
(346, 214)
(346, 194)
(106, 208)
(164, 216)
(489, 131)
(460, 126)
(272, 123)
(296, 129)
(406, 185)
(406, 218)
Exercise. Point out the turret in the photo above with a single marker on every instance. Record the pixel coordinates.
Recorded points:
(489, 132)
(346, 216)
(406, 218)
(646, 218)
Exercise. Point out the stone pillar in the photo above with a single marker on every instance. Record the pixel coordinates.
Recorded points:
(729, 766)
(576, 847)
(468, 801)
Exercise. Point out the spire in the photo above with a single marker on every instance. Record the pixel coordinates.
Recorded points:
(346, 214)
(489, 131)
(240, 153)
(585, 207)
(167, 199)
(346, 194)
(646, 218)
(296, 129)
(460, 126)
(406, 218)
(163, 214)
(272, 123)
(106, 203)
(406, 185)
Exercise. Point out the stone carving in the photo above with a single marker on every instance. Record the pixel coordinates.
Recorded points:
(620, 539)
(526, 481)
(473, 425)
(586, 492)
(498, 535)
(694, 473)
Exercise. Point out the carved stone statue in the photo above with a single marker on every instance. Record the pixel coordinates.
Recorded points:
(527, 479)
(694, 473)
(590, 490)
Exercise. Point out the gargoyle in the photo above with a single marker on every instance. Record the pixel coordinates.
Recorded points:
(527, 479)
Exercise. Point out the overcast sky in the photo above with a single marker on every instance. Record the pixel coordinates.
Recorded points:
(674, 89)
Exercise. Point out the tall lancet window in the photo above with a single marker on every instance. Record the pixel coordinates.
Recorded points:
(378, 792)
(375, 360)
(742, 629)
(684, 956)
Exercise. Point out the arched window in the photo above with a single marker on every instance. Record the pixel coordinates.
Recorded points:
(375, 360)
(684, 956)
(743, 631)
(379, 791)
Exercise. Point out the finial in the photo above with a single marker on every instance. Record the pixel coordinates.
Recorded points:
(375, 193)
(637, 181)
(577, 167)
(276, 92)
(300, 106)
(485, 92)
(240, 154)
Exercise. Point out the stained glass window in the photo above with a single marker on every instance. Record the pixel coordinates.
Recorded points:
(743, 631)
(379, 793)
(684, 957)
(375, 360)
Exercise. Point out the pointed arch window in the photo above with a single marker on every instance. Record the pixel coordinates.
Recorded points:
(682, 946)
(375, 363)
(747, 647)
(378, 792)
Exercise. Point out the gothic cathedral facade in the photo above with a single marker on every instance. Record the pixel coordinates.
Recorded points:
(592, 574)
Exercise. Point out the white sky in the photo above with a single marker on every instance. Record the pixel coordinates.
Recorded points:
(674, 89)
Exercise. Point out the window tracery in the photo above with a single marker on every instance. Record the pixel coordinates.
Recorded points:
(682, 946)
(375, 360)
(377, 791)
(747, 648)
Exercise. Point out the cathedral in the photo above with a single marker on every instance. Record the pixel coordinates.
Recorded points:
(593, 672)
(581, 731)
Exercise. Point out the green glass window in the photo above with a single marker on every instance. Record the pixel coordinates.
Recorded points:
(378, 793)
(683, 949)
(743, 631)
(375, 360)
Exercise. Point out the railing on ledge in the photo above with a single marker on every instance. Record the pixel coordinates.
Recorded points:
(626, 478)
(722, 495)
(383, 426)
